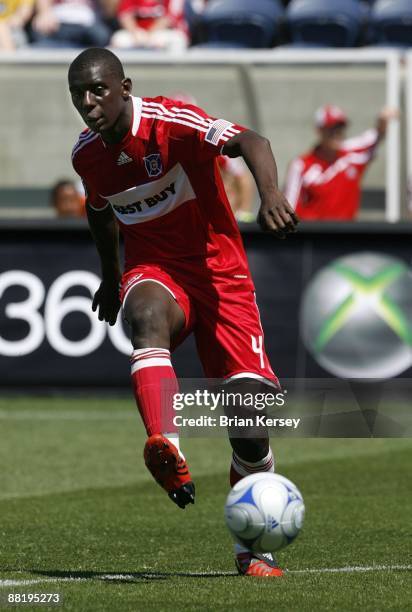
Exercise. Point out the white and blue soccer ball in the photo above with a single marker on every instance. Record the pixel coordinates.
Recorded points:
(264, 512)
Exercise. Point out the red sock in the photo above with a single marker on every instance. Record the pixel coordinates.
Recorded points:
(241, 468)
(154, 384)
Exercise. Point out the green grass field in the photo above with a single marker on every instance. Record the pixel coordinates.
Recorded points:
(80, 515)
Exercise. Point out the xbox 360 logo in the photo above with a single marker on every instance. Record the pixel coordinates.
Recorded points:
(356, 316)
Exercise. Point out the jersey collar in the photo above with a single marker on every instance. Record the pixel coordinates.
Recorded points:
(134, 127)
(137, 114)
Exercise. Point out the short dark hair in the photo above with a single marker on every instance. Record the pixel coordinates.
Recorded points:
(56, 188)
(97, 56)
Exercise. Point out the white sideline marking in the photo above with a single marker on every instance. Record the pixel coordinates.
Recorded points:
(9, 583)
(350, 569)
(154, 575)
(67, 415)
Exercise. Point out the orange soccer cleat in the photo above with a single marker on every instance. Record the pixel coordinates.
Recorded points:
(253, 564)
(169, 469)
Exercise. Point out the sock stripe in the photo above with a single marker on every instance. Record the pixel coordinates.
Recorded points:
(151, 362)
(254, 464)
(148, 353)
(150, 357)
(263, 467)
(145, 353)
(243, 468)
(147, 350)
(143, 357)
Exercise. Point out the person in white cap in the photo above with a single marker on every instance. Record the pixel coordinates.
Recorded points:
(324, 184)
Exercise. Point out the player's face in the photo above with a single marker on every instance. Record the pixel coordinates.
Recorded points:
(68, 201)
(99, 96)
(332, 137)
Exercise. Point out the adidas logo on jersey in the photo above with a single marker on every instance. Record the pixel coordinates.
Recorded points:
(123, 159)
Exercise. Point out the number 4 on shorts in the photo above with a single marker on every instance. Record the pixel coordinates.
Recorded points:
(257, 347)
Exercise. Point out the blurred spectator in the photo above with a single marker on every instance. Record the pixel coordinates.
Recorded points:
(108, 12)
(324, 184)
(14, 15)
(193, 10)
(151, 24)
(409, 196)
(239, 187)
(69, 23)
(67, 200)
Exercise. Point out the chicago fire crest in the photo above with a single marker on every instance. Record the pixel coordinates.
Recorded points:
(153, 163)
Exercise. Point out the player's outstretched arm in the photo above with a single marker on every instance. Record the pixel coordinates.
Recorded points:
(275, 214)
(105, 234)
(386, 115)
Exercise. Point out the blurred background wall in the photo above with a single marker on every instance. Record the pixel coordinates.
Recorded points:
(39, 124)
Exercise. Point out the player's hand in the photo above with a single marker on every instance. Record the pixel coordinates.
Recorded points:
(386, 115)
(106, 301)
(277, 216)
(388, 112)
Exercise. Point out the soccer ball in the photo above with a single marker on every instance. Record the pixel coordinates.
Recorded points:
(264, 512)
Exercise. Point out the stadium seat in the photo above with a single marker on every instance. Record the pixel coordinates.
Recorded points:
(325, 23)
(193, 19)
(391, 22)
(241, 23)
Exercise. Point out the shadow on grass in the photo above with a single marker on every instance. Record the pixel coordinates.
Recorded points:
(121, 577)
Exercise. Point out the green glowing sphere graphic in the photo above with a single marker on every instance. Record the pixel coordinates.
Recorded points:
(356, 316)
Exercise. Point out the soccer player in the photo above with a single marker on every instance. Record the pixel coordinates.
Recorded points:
(149, 166)
(324, 184)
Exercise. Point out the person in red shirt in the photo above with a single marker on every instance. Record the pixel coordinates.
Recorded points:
(324, 184)
(151, 24)
(149, 167)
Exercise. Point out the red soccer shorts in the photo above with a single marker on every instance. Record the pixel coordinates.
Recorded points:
(221, 312)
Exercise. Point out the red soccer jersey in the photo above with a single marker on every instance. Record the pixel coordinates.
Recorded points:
(164, 186)
(328, 191)
(147, 12)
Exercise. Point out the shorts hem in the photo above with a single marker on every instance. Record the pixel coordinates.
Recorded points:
(146, 280)
(272, 382)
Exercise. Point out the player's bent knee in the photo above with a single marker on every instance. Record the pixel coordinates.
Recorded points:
(241, 391)
(250, 442)
(149, 323)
